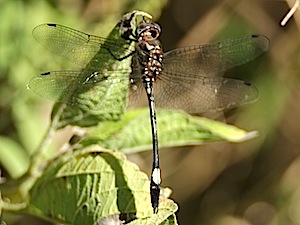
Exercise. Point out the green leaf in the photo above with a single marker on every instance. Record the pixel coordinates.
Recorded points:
(133, 132)
(165, 215)
(93, 185)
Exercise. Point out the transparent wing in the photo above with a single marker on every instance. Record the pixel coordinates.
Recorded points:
(64, 86)
(215, 58)
(203, 94)
(77, 46)
(52, 85)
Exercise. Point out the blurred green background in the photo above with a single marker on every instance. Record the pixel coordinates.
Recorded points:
(218, 183)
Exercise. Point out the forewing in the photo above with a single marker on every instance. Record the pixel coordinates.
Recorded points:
(215, 58)
(76, 46)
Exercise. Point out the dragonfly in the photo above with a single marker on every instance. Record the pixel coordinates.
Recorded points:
(187, 78)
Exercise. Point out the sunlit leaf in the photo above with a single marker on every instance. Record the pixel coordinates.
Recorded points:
(92, 185)
(133, 133)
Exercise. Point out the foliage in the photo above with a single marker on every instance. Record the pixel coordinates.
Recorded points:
(23, 115)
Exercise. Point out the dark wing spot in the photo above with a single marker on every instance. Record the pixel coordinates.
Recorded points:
(51, 24)
(45, 74)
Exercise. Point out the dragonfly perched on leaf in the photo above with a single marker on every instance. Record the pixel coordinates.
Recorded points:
(130, 60)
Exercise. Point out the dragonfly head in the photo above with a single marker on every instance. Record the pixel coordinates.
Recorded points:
(129, 24)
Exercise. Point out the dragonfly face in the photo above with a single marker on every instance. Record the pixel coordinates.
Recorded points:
(129, 23)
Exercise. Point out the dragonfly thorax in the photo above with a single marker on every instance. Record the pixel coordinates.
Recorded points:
(149, 51)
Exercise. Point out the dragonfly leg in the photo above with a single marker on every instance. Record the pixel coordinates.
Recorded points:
(119, 59)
